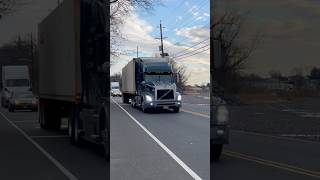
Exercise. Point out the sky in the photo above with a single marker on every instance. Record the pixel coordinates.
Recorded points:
(186, 30)
(290, 31)
(24, 19)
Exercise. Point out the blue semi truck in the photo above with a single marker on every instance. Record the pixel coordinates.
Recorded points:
(150, 83)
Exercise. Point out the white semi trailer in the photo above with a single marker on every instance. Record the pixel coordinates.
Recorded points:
(70, 78)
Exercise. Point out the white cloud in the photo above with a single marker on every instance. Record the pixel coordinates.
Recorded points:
(138, 32)
(194, 34)
(206, 14)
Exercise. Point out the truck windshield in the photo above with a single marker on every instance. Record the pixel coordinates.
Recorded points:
(115, 87)
(158, 78)
(17, 82)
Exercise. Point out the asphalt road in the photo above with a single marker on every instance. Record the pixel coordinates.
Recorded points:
(269, 142)
(160, 145)
(28, 152)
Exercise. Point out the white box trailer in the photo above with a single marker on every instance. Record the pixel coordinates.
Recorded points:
(128, 78)
(70, 78)
(58, 67)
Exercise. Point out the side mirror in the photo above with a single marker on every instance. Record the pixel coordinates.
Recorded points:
(176, 77)
(143, 82)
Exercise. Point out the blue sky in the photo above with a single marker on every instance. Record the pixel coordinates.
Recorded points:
(177, 14)
(186, 24)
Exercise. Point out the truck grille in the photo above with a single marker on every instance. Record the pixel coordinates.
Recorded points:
(163, 94)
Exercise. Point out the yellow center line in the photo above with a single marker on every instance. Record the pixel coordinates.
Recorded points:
(283, 166)
(196, 113)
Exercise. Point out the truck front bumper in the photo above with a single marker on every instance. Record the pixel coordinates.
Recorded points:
(219, 134)
(163, 104)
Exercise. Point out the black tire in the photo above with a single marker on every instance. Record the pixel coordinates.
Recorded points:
(215, 152)
(11, 109)
(145, 109)
(125, 98)
(176, 109)
(75, 127)
(6, 104)
(2, 102)
(49, 117)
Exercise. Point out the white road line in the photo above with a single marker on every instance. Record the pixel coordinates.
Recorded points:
(43, 151)
(25, 122)
(164, 147)
(56, 136)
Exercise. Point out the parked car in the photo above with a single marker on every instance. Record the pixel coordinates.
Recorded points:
(23, 100)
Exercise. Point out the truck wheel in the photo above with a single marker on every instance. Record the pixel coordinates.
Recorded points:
(176, 109)
(74, 128)
(215, 152)
(49, 117)
(11, 109)
(144, 108)
(2, 102)
(125, 99)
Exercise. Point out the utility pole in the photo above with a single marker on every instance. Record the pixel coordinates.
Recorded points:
(161, 39)
(137, 51)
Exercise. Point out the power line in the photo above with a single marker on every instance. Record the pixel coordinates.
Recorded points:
(192, 46)
(201, 4)
(179, 42)
(193, 51)
(173, 10)
(194, 19)
(193, 54)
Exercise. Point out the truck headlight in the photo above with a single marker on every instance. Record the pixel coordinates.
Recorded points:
(148, 98)
(222, 115)
(179, 97)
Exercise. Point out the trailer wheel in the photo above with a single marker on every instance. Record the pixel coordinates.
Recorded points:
(11, 109)
(125, 99)
(49, 117)
(74, 127)
(215, 152)
(2, 102)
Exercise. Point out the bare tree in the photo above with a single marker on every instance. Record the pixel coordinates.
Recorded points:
(6, 6)
(315, 73)
(120, 9)
(181, 72)
(275, 74)
(116, 78)
(234, 53)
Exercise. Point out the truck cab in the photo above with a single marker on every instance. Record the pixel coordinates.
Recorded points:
(15, 78)
(115, 89)
(155, 84)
